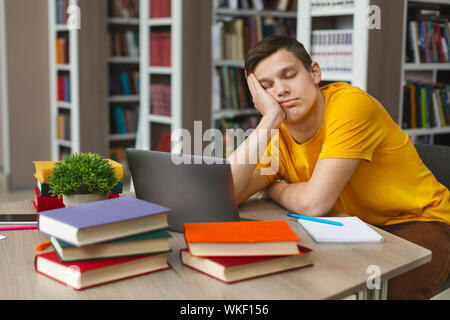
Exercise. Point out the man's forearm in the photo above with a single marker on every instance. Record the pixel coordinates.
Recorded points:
(295, 197)
(256, 144)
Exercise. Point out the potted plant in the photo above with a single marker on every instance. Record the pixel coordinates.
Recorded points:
(81, 178)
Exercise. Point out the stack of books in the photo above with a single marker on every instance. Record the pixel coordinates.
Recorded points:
(45, 201)
(237, 251)
(104, 241)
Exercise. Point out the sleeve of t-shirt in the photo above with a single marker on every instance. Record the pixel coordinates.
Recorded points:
(271, 163)
(353, 127)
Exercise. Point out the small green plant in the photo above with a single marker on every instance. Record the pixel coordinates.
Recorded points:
(83, 173)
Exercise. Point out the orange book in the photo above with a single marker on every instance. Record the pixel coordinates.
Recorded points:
(245, 238)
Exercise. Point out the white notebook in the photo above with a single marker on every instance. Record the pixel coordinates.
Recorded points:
(353, 230)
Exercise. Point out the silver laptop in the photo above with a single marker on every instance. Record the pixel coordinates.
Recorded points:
(196, 189)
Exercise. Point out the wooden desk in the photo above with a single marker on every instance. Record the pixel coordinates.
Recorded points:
(338, 271)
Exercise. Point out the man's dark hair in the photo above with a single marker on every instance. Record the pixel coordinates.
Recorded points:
(268, 46)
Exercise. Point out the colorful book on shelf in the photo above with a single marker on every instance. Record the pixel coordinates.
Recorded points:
(119, 119)
(102, 221)
(160, 9)
(441, 108)
(160, 48)
(143, 244)
(86, 274)
(164, 142)
(235, 269)
(46, 203)
(244, 238)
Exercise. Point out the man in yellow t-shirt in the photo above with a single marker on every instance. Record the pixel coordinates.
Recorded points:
(336, 147)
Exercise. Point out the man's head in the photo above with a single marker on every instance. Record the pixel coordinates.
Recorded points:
(268, 46)
(285, 70)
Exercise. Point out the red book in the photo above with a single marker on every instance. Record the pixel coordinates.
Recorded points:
(236, 269)
(84, 274)
(160, 49)
(160, 8)
(437, 30)
(61, 89)
(46, 203)
(164, 142)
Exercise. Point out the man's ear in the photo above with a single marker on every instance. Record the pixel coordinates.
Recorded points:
(316, 73)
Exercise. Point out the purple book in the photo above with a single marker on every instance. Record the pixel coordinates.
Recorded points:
(103, 220)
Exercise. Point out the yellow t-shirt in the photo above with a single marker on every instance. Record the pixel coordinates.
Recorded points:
(391, 184)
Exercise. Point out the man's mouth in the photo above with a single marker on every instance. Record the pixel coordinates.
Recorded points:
(288, 103)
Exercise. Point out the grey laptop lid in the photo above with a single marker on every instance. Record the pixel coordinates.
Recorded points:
(194, 190)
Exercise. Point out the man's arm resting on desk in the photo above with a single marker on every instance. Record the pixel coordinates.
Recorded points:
(317, 196)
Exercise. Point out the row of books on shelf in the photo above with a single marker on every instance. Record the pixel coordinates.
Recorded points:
(325, 4)
(63, 151)
(160, 99)
(279, 5)
(426, 106)
(63, 126)
(124, 83)
(333, 50)
(61, 10)
(123, 8)
(123, 120)
(124, 44)
(62, 50)
(63, 88)
(230, 89)
(232, 39)
(118, 154)
(243, 123)
(160, 48)
(429, 41)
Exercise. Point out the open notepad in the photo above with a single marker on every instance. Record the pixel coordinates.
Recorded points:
(353, 231)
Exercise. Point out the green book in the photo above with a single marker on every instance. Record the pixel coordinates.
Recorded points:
(44, 189)
(118, 187)
(423, 102)
(142, 244)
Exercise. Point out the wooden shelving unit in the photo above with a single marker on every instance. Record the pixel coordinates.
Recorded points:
(222, 110)
(429, 70)
(186, 88)
(123, 77)
(84, 125)
(335, 18)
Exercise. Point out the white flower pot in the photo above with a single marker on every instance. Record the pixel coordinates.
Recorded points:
(77, 199)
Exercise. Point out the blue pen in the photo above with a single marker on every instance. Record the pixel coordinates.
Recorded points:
(334, 223)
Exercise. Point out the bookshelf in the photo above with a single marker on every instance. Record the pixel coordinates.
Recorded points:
(174, 73)
(423, 67)
(76, 68)
(341, 26)
(123, 77)
(236, 25)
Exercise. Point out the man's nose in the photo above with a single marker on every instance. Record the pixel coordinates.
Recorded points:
(282, 90)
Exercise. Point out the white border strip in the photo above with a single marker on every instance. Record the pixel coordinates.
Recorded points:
(4, 89)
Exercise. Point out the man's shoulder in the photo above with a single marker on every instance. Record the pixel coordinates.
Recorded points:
(346, 101)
